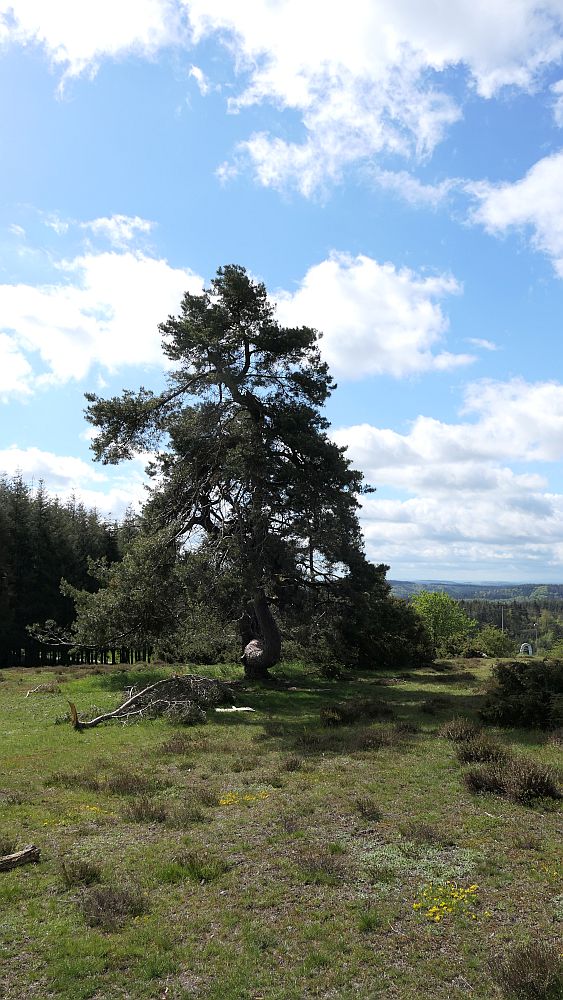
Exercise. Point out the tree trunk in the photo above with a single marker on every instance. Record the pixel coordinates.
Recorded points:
(262, 645)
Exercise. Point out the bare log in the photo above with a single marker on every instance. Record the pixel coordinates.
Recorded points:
(29, 855)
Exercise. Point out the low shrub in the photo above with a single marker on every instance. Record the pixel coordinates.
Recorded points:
(292, 763)
(69, 779)
(531, 971)
(405, 728)
(145, 810)
(320, 866)
(526, 693)
(459, 729)
(183, 814)
(78, 871)
(435, 704)
(421, 832)
(347, 713)
(202, 866)
(518, 778)
(179, 743)
(8, 844)
(480, 749)
(185, 714)
(109, 906)
(368, 808)
(128, 783)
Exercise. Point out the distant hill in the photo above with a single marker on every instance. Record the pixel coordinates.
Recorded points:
(481, 591)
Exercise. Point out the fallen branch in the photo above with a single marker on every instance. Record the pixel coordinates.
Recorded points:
(161, 697)
(29, 855)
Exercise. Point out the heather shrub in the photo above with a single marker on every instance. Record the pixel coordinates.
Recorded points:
(346, 713)
(526, 693)
(145, 810)
(459, 729)
(109, 906)
(517, 778)
(531, 971)
(78, 871)
(480, 749)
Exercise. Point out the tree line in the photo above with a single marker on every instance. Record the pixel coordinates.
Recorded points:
(41, 541)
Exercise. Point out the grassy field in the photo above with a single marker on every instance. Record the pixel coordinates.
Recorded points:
(266, 856)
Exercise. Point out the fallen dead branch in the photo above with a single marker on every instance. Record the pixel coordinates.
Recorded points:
(28, 855)
(183, 698)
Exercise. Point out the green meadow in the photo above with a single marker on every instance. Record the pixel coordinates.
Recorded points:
(274, 854)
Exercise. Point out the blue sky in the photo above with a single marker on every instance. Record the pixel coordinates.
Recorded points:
(393, 171)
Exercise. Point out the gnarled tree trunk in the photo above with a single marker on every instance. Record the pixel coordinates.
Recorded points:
(261, 638)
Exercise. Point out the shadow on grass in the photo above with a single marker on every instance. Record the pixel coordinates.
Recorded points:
(289, 718)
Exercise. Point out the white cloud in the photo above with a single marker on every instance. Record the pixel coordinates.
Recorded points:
(487, 345)
(77, 36)
(557, 89)
(65, 476)
(409, 188)
(535, 202)
(15, 370)
(518, 533)
(515, 421)
(104, 309)
(16, 230)
(364, 77)
(120, 230)
(469, 508)
(62, 471)
(197, 74)
(375, 319)
(58, 225)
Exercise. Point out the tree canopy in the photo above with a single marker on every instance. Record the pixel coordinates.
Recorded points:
(442, 616)
(243, 468)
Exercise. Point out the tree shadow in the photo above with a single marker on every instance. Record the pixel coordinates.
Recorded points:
(289, 719)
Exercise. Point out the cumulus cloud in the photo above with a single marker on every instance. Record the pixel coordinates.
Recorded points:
(533, 203)
(77, 36)
(375, 318)
(65, 476)
(103, 309)
(468, 507)
(518, 533)
(364, 79)
(120, 230)
(15, 370)
(515, 421)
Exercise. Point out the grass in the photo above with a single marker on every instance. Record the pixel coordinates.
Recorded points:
(268, 854)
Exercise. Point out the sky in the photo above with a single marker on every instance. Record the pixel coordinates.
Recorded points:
(393, 172)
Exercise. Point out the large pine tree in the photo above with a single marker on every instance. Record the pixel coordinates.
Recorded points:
(244, 466)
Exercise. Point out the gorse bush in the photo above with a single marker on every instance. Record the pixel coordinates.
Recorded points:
(526, 693)
(531, 971)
